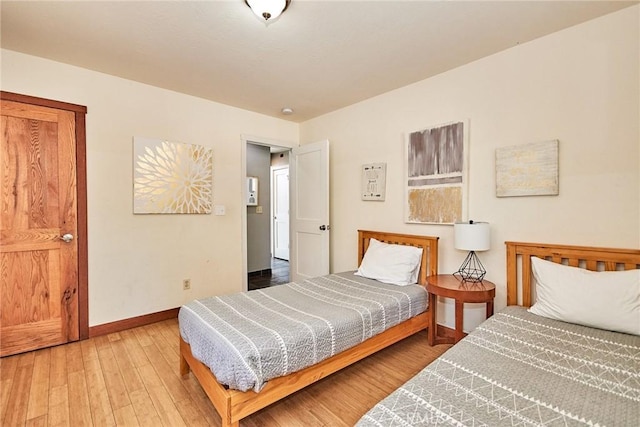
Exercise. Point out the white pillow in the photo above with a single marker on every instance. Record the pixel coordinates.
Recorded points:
(605, 300)
(388, 263)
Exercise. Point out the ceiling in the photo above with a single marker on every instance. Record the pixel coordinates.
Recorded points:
(319, 56)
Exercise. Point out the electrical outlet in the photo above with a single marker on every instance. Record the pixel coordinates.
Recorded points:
(186, 284)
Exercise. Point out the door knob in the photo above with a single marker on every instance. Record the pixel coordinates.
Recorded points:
(67, 237)
(324, 227)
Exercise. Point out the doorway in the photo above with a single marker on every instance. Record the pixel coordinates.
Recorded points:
(309, 207)
(267, 225)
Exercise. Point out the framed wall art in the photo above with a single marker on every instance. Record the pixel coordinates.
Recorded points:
(436, 174)
(171, 177)
(374, 181)
(528, 170)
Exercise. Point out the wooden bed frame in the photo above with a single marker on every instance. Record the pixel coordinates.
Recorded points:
(592, 258)
(233, 405)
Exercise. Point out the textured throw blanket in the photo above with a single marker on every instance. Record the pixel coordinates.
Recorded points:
(251, 337)
(519, 369)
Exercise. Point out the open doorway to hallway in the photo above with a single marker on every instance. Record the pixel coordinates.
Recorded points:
(267, 216)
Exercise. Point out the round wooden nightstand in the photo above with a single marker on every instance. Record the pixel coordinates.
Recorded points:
(449, 286)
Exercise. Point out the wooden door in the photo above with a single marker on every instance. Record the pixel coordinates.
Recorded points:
(39, 268)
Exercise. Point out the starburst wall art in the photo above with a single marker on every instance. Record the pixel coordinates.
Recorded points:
(171, 177)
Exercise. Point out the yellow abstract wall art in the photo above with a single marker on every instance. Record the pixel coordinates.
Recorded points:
(171, 177)
(528, 170)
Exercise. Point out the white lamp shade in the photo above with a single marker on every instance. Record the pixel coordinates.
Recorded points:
(474, 236)
(273, 7)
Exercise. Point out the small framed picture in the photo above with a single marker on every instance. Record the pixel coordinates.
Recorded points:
(374, 181)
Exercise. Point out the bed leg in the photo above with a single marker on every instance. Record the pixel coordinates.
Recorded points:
(184, 366)
(226, 420)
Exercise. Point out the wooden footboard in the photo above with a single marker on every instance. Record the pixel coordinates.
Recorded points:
(233, 405)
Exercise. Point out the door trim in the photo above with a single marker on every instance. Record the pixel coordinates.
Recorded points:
(80, 112)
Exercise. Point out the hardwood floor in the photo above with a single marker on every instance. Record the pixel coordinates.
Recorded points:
(132, 378)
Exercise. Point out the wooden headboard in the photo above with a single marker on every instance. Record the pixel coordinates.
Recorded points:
(429, 245)
(591, 258)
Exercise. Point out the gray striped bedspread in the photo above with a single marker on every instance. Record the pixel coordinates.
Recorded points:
(519, 369)
(249, 338)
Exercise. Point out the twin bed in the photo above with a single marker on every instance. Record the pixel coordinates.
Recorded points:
(267, 319)
(521, 368)
(517, 368)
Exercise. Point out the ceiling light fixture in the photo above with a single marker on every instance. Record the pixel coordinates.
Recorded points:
(268, 9)
(287, 111)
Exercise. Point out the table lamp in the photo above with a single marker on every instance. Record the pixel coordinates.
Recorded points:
(471, 236)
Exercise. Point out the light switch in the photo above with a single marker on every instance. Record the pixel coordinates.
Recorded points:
(258, 209)
(218, 210)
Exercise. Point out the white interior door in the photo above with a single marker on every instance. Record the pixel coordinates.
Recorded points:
(309, 171)
(280, 179)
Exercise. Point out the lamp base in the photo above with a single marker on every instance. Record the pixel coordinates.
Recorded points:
(471, 269)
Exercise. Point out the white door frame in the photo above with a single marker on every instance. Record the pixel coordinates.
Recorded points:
(257, 140)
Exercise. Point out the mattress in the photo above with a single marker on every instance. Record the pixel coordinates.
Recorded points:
(251, 337)
(519, 369)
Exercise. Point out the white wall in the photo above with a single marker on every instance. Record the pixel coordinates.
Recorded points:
(137, 262)
(580, 86)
